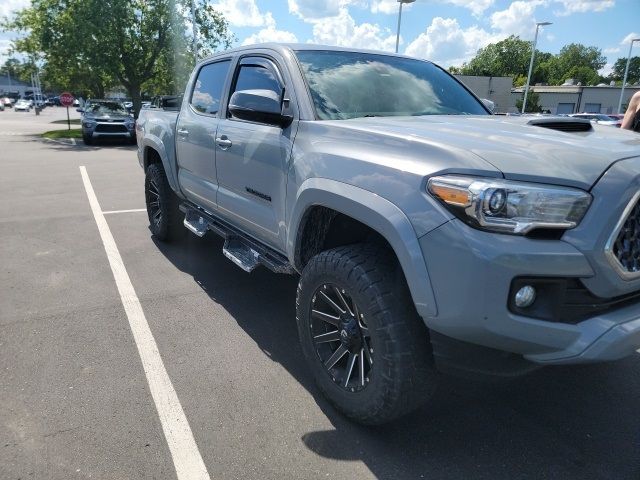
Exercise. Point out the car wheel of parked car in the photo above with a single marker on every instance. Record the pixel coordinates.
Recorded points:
(87, 140)
(162, 205)
(368, 350)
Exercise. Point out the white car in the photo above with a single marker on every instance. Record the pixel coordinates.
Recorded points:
(598, 118)
(22, 105)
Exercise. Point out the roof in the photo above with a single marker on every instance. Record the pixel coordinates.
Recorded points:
(5, 81)
(288, 47)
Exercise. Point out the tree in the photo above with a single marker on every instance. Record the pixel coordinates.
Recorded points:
(578, 62)
(511, 57)
(533, 103)
(633, 77)
(95, 44)
(508, 57)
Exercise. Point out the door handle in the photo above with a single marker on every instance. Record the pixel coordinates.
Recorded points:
(223, 142)
(183, 133)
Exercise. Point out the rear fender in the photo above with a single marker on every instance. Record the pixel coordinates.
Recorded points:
(154, 142)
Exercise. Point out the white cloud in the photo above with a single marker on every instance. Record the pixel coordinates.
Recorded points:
(311, 10)
(270, 34)
(342, 30)
(445, 43)
(627, 40)
(7, 7)
(611, 50)
(606, 70)
(387, 6)
(242, 13)
(518, 19)
(477, 7)
(582, 6)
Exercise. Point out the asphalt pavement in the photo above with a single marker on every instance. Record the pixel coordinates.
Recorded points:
(75, 394)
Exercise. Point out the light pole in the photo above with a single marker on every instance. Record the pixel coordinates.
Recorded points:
(626, 72)
(533, 53)
(399, 19)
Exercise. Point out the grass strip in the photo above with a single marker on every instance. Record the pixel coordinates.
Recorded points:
(55, 134)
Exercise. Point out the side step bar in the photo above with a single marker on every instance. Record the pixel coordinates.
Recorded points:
(241, 249)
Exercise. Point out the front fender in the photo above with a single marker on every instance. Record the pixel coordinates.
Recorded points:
(380, 215)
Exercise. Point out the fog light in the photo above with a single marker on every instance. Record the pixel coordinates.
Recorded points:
(525, 296)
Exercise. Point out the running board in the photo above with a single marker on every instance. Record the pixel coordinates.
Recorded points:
(241, 249)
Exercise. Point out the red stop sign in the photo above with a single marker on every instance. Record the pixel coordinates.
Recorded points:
(66, 99)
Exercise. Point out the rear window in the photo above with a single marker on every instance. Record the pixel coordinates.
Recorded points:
(207, 90)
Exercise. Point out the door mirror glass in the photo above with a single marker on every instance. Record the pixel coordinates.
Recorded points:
(261, 106)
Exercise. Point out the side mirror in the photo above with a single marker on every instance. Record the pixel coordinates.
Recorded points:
(489, 104)
(259, 106)
(81, 110)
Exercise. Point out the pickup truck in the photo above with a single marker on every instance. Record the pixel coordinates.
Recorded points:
(429, 235)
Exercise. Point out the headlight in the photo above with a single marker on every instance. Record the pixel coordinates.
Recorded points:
(510, 207)
(89, 123)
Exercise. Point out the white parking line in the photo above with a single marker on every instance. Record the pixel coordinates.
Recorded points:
(184, 451)
(110, 212)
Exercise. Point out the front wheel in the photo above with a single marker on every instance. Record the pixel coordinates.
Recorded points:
(368, 350)
(162, 205)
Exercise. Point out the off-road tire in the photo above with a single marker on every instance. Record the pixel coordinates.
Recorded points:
(168, 225)
(402, 375)
(87, 140)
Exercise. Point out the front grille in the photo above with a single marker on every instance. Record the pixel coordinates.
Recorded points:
(626, 247)
(108, 128)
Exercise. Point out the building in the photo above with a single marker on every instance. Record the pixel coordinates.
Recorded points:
(12, 87)
(496, 89)
(568, 98)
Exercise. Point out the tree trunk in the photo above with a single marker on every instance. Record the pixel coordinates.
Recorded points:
(136, 98)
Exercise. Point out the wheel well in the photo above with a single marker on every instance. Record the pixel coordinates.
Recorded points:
(151, 156)
(323, 228)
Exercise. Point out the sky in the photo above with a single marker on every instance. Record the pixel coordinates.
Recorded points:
(448, 32)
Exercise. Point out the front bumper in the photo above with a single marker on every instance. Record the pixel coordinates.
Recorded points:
(471, 273)
(106, 130)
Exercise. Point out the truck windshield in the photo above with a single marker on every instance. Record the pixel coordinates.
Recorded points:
(347, 85)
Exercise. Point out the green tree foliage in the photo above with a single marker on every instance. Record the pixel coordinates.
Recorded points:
(511, 57)
(92, 45)
(633, 77)
(508, 57)
(578, 62)
(533, 103)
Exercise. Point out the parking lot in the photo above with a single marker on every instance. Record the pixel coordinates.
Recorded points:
(76, 400)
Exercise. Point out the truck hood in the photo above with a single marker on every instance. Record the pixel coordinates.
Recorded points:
(520, 151)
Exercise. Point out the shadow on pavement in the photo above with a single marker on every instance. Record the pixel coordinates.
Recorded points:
(557, 423)
(64, 144)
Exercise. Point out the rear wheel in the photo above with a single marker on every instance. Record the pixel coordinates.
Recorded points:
(162, 205)
(368, 350)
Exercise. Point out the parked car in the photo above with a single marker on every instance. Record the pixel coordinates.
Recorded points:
(599, 118)
(6, 101)
(616, 116)
(106, 118)
(22, 106)
(428, 235)
(1, 106)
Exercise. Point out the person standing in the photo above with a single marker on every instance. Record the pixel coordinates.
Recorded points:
(631, 120)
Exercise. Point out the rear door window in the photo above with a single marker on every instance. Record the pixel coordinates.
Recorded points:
(207, 91)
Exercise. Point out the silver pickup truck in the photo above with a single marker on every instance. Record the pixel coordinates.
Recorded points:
(428, 234)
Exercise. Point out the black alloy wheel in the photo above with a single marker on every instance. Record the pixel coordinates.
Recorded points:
(162, 205)
(367, 349)
(341, 338)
